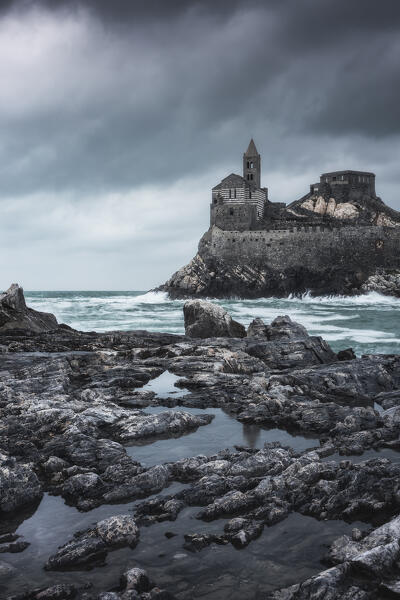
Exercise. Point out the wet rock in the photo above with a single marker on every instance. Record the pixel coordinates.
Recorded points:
(55, 464)
(119, 530)
(347, 354)
(195, 542)
(150, 482)
(167, 423)
(86, 485)
(78, 553)
(93, 545)
(15, 315)
(159, 509)
(136, 579)
(14, 546)
(282, 328)
(240, 532)
(327, 585)
(62, 591)
(205, 320)
(19, 485)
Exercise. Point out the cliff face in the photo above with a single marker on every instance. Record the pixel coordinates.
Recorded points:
(278, 263)
(318, 244)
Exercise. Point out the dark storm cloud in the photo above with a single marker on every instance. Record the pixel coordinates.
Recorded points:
(118, 116)
(160, 89)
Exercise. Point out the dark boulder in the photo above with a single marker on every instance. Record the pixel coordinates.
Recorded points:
(204, 320)
(347, 354)
(281, 329)
(14, 314)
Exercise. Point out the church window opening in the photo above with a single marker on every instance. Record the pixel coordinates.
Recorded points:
(248, 164)
(234, 193)
(231, 211)
(230, 195)
(250, 194)
(251, 165)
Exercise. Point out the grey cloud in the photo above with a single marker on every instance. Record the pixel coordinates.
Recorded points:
(120, 97)
(159, 100)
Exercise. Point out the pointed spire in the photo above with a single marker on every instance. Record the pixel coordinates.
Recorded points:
(251, 150)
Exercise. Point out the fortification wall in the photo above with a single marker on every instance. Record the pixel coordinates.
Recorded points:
(312, 247)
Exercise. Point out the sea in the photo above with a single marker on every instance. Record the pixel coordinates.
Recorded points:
(369, 323)
(285, 553)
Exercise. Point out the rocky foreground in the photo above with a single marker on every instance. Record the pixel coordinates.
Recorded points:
(70, 403)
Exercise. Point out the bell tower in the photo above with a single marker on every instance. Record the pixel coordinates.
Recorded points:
(252, 165)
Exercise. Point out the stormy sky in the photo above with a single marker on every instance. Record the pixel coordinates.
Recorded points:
(117, 117)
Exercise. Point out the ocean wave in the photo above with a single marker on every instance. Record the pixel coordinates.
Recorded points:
(369, 323)
(369, 298)
(152, 298)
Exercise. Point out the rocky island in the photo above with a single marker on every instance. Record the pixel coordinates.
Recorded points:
(340, 238)
(270, 469)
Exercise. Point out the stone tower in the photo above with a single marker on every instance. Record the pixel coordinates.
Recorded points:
(252, 165)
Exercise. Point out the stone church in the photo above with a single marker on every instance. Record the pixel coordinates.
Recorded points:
(239, 202)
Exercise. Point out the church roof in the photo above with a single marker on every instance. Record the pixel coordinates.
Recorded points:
(251, 150)
(233, 180)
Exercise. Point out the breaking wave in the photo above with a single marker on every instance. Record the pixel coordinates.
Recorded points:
(368, 323)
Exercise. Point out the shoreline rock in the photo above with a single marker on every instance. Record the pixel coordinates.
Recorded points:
(15, 315)
(205, 320)
(67, 401)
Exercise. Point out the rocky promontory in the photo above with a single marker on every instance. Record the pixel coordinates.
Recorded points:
(340, 238)
(110, 490)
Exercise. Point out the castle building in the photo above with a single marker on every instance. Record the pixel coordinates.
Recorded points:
(239, 202)
(345, 185)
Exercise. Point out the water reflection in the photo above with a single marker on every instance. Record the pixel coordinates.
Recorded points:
(251, 433)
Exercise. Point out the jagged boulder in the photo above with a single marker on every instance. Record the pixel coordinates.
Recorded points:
(281, 328)
(14, 314)
(93, 545)
(204, 320)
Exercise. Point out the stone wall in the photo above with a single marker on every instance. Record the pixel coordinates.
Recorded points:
(234, 215)
(312, 247)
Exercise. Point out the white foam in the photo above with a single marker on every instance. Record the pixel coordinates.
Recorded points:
(152, 298)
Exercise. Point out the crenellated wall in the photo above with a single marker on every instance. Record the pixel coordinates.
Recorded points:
(310, 247)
